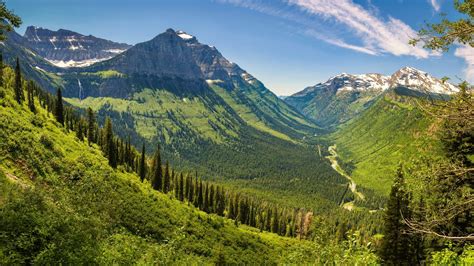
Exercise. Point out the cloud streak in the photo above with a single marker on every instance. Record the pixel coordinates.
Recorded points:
(467, 53)
(383, 36)
(322, 19)
(436, 6)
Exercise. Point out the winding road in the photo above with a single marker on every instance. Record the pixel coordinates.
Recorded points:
(352, 185)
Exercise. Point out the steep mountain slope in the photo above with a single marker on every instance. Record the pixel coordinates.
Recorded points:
(33, 65)
(60, 202)
(66, 48)
(187, 69)
(393, 130)
(345, 96)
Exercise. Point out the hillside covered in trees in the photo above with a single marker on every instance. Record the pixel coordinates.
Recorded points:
(247, 180)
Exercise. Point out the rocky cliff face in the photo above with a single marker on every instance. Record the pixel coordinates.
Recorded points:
(166, 55)
(66, 48)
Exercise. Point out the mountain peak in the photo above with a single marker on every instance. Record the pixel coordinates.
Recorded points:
(408, 69)
(421, 81)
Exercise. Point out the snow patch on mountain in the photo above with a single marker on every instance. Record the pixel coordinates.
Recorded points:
(115, 51)
(72, 63)
(183, 35)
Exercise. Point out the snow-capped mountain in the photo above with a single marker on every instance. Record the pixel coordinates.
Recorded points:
(421, 81)
(406, 77)
(65, 48)
(345, 95)
(348, 82)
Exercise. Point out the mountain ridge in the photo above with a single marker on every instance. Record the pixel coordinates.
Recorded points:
(344, 96)
(66, 48)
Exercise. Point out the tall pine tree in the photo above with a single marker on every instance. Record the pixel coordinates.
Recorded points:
(396, 248)
(142, 166)
(157, 173)
(90, 126)
(18, 88)
(59, 110)
(109, 141)
(166, 178)
(31, 99)
(181, 187)
(200, 197)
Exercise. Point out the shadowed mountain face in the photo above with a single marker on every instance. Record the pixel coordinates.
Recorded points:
(170, 60)
(345, 96)
(66, 48)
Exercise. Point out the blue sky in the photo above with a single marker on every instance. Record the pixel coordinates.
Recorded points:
(287, 44)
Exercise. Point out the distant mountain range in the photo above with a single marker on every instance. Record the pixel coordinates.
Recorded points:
(344, 96)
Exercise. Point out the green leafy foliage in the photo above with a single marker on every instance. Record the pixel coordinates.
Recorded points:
(440, 36)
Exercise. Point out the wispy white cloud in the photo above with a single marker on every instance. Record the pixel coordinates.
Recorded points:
(385, 36)
(435, 4)
(339, 42)
(467, 53)
(374, 34)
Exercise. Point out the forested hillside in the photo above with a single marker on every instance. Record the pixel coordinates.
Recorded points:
(394, 130)
(61, 202)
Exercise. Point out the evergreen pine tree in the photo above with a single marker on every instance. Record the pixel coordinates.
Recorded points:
(230, 213)
(166, 179)
(31, 99)
(395, 248)
(181, 187)
(90, 126)
(18, 88)
(79, 132)
(275, 221)
(212, 202)
(191, 190)
(110, 147)
(175, 183)
(59, 110)
(268, 220)
(205, 206)
(220, 197)
(128, 152)
(200, 196)
(142, 167)
(187, 185)
(157, 178)
(195, 192)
